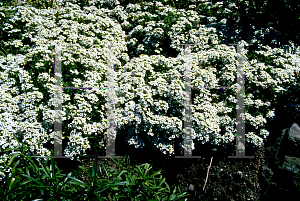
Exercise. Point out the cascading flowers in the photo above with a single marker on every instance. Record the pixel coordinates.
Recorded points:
(149, 88)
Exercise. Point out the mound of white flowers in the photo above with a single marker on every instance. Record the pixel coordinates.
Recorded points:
(149, 89)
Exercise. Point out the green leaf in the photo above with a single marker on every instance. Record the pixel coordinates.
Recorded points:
(155, 173)
(32, 179)
(77, 182)
(12, 158)
(4, 53)
(9, 180)
(46, 170)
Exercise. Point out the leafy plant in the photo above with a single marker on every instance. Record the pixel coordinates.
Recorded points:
(40, 4)
(132, 182)
(30, 179)
(48, 183)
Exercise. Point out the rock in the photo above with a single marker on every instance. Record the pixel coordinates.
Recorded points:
(191, 190)
(293, 141)
(240, 174)
(279, 177)
(191, 187)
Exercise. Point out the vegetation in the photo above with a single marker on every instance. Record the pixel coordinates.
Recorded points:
(45, 180)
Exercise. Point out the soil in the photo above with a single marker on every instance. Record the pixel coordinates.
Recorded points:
(223, 182)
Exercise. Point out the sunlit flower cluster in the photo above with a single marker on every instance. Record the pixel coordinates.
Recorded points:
(21, 107)
(149, 87)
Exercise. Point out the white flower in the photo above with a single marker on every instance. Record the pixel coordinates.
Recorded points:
(270, 114)
(223, 21)
(137, 102)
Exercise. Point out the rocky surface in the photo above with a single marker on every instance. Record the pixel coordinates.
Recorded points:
(280, 176)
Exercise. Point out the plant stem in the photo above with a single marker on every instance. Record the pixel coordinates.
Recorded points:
(207, 173)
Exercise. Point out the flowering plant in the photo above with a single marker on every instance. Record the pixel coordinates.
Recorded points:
(149, 88)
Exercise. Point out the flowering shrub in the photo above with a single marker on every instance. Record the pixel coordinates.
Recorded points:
(149, 82)
(27, 89)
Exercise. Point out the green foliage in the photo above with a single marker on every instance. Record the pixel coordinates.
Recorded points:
(39, 4)
(31, 179)
(282, 15)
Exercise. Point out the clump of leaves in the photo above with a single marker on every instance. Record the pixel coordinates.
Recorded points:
(30, 180)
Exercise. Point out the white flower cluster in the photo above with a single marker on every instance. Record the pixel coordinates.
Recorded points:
(149, 87)
(20, 107)
(77, 144)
